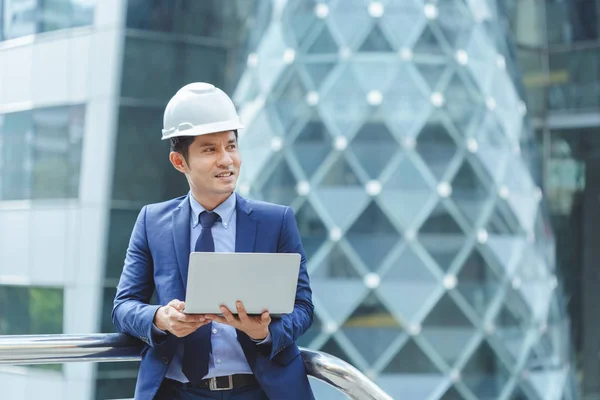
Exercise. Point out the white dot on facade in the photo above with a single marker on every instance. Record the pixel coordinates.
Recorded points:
(472, 145)
(517, 148)
(252, 60)
(335, 234)
(522, 108)
(516, 283)
(501, 62)
(303, 188)
(340, 143)
(462, 57)
(454, 376)
(372, 280)
(321, 10)
(450, 282)
(437, 99)
(444, 189)
(276, 144)
(504, 192)
(553, 283)
(345, 52)
(289, 55)
(490, 103)
(538, 194)
(331, 327)
(414, 329)
(531, 237)
(244, 189)
(409, 142)
(376, 9)
(431, 11)
(490, 328)
(312, 98)
(482, 236)
(373, 188)
(406, 54)
(374, 97)
(410, 235)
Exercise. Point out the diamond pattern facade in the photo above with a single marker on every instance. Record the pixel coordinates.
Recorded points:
(396, 131)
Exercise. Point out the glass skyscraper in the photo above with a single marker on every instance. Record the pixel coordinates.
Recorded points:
(399, 133)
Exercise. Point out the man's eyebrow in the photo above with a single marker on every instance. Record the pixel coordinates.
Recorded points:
(232, 141)
(206, 144)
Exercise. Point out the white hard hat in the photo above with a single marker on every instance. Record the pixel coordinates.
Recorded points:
(198, 109)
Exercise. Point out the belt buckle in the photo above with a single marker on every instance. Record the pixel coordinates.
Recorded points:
(212, 384)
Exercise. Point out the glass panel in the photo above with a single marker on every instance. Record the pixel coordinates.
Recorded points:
(120, 227)
(315, 330)
(443, 248)
(340, 174)
(408, 267)
(57, 152)
(30, 310)
(372, 236)
(312, 230)
(312, 146)
(484, 374)
(447, 329)
(452, 394)
(291, 104)
(189, 17)
(435, 145)
(477, 282)
(411, 360)
(469, 192)
(324, 43)
(345, 104)
(332, 347)
(113, 387)
(376, 42)
(440, 222)
(371, 328)
(428, 44)
(374, 147)
(20, 18)
(503, 221)
(318, 72)
(16, 133)
(432, 73)
(335, 265)
(280, 186)
(152, 177)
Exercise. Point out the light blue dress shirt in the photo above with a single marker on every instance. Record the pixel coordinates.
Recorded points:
(227, 356)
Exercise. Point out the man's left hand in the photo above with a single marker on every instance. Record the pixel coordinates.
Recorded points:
(257, 327)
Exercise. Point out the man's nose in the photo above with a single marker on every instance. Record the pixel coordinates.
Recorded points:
(225, 158)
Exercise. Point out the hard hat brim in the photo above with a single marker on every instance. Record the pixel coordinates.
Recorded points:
(187, 129)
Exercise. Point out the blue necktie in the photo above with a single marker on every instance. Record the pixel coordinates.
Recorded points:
(197, 345)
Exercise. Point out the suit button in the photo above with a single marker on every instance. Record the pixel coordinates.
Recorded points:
(165, 360)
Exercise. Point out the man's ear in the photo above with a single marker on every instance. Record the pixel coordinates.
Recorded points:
(178, 161)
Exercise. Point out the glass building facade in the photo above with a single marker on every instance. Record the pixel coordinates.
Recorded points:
(399, 133)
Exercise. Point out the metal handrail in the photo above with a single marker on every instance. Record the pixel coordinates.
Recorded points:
(102, 347)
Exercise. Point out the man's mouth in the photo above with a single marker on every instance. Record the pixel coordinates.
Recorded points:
(225, 174)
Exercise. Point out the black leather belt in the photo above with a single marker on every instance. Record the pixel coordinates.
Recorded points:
(220, 382)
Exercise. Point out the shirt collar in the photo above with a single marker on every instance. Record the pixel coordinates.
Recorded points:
(225, 210)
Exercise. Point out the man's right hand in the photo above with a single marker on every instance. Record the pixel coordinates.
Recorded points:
(171, 318)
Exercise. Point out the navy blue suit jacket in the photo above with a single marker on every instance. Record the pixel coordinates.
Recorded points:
(157, 260)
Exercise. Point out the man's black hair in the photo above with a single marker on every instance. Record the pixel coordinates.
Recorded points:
(181, 144)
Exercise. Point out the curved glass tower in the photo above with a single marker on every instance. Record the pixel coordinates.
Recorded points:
(398, 132)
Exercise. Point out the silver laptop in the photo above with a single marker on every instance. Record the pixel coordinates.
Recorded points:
(261, 281)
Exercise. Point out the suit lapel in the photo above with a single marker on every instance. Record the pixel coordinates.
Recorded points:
(181, 238)
(245, 236)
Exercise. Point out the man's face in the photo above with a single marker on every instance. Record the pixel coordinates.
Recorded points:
(213, 164)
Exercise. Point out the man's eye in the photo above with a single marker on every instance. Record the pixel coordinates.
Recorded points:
(209, 149)
(232, 146)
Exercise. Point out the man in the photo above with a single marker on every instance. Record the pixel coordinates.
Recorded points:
(208, 356)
